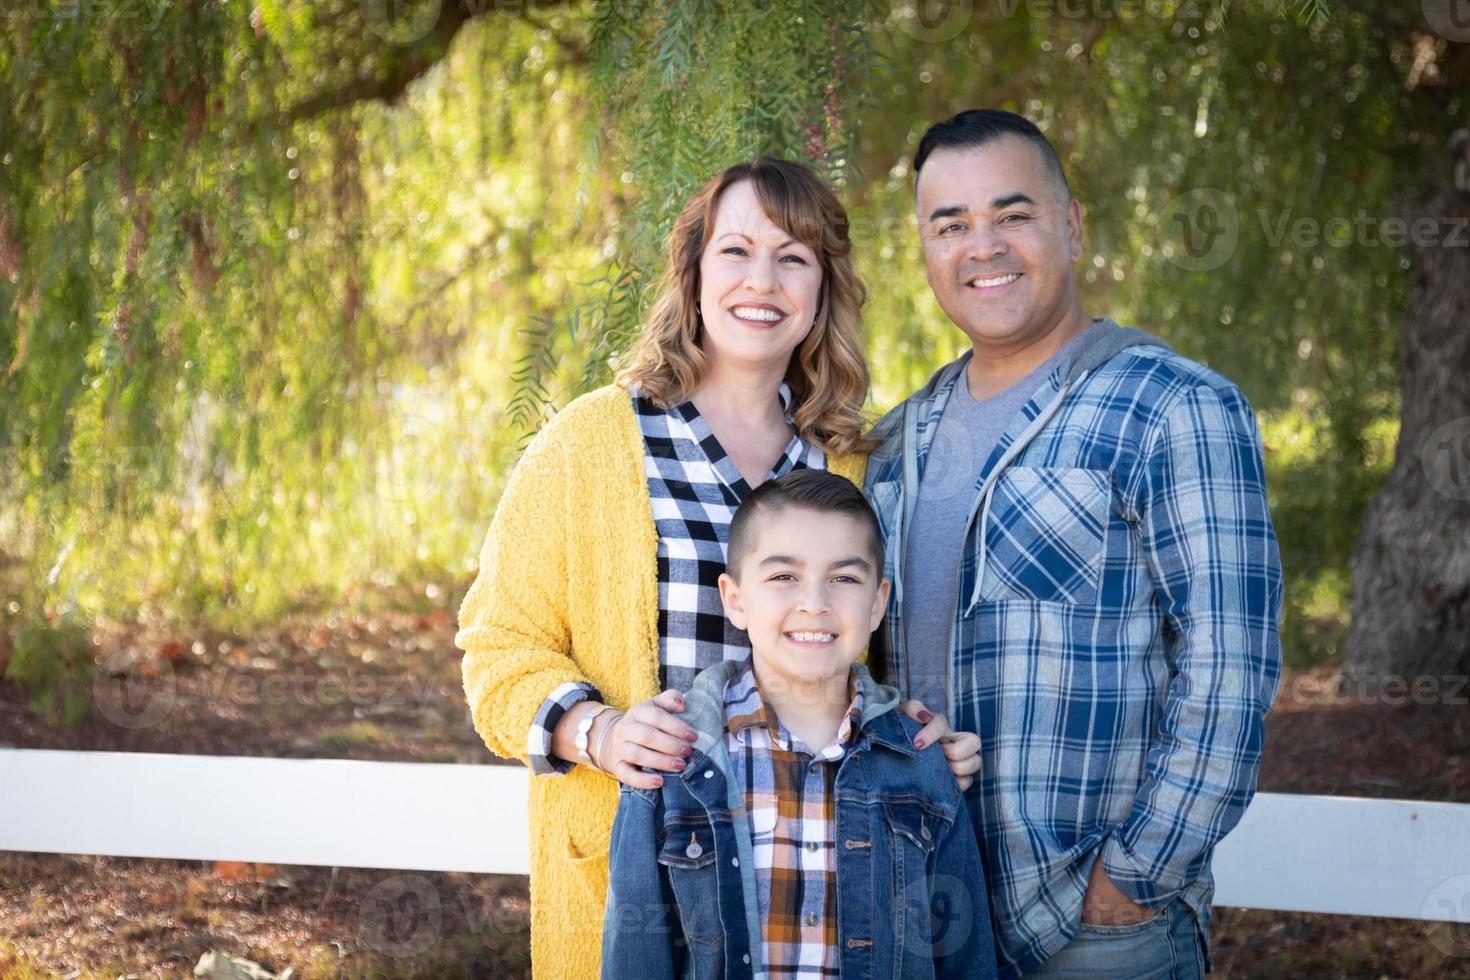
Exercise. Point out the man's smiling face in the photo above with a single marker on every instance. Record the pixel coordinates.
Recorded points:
(1000, 235)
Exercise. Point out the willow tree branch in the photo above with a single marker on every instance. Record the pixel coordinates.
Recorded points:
(416, 59)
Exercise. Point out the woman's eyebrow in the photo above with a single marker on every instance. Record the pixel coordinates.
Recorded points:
(741, 234)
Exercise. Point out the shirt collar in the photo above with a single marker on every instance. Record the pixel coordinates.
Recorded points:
(745, 709)
(785, 394)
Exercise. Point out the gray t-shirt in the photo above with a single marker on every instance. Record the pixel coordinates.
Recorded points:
(968, 432)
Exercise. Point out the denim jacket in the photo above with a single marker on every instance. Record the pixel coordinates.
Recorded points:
(911, 899)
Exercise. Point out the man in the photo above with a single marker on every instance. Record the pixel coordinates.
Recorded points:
(1085, 572)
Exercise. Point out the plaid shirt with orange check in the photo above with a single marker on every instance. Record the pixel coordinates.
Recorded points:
(790, 804)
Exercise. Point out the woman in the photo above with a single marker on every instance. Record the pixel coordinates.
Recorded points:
(598, 578)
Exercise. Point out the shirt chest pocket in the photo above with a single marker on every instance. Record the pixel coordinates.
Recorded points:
(1045, 536)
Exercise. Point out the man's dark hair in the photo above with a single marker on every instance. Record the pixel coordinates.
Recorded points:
(809, 489)
(975, 128)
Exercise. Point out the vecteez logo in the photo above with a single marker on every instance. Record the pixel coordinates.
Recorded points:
(132, 693)
(1450, 19)
(401, 21)
(1200, 229)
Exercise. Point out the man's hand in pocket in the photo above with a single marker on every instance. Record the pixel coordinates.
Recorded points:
(1105, 905)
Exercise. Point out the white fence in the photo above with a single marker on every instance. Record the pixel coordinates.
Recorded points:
(1342, 855)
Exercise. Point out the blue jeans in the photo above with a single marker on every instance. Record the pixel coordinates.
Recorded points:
(1166, 947)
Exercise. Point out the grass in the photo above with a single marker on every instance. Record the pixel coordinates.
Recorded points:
(360, 733)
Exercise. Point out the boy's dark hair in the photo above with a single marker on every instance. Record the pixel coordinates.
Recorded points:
(975, 128)
(809, 489)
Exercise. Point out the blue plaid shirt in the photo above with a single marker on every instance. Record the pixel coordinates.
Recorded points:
(1114, 640)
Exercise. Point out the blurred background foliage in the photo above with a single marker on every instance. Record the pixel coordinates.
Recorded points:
(285, 287)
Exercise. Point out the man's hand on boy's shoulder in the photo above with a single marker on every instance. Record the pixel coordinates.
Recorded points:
(962, 752)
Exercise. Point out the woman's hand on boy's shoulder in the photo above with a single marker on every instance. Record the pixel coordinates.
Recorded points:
(961, 749)
(649, 735)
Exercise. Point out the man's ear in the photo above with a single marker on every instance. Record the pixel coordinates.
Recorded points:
(880, 604)
(1074, 229)
(730, 596)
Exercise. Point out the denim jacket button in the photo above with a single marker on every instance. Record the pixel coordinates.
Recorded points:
(745, 958)
(709, 774)
(735, 862)
(693, 851)
(924, 831)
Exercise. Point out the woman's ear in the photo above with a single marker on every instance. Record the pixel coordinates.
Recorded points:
(730, 596)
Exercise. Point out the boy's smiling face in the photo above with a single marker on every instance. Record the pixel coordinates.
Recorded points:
(809, 594)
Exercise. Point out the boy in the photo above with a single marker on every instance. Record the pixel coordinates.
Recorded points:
(806, 836)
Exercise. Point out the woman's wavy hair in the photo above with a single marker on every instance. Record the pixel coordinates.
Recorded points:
(828, 374)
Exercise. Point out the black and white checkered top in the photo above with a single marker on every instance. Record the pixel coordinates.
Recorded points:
(694, 488)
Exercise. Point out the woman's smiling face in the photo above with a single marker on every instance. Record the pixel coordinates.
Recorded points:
(758, 287)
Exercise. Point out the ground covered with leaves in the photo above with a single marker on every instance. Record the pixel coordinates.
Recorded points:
(388, 687)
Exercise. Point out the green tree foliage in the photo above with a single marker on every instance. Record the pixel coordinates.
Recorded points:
(1176, 122)
(283, 288)
(678, 92)
(260, 294)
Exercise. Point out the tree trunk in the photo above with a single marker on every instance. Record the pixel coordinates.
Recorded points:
(1411, 567)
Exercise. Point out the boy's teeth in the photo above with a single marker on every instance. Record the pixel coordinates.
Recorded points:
(805, 637)
(747, 313)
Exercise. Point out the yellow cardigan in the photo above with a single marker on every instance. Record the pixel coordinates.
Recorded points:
(568, 591)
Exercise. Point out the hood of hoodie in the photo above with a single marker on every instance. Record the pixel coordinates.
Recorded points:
(1104, 339)
(705, 701)
(1100, 342)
